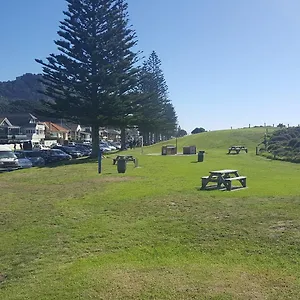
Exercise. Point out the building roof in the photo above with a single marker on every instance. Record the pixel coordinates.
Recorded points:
(21, 119)
(71, 126)
(55, 127)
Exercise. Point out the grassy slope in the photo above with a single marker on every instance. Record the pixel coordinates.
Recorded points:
(217, 140)
(69, 233)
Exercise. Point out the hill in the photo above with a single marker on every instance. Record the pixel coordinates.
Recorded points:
(21, 94)
(218, 140)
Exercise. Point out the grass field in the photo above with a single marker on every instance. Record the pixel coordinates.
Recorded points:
(70, 233)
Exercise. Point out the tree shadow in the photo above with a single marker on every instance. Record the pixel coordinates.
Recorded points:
(77, 161)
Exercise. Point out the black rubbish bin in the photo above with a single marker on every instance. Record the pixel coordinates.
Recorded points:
(121, 165)
(201, 156)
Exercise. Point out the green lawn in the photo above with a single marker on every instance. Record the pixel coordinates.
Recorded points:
(70, 233)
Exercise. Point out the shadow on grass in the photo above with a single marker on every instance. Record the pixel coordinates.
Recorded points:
(78, 161)
(223, 189)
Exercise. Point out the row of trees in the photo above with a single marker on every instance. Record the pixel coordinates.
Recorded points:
(96, 78)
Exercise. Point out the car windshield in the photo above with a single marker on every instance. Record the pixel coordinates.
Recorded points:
(57, 151)
(7, 154)
(33, 154)
(20, 155)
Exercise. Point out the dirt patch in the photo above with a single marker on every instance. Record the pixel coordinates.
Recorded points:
(111, 179)
(282, 226)
(2, 277)
(4, 184)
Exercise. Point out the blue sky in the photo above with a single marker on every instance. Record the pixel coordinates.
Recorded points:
(226, 62)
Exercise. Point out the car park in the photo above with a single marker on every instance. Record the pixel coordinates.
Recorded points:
(34, 156)
(54, 155)
(69, 150)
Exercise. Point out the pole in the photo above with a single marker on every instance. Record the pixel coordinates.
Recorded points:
(142, 145)
(99, 161)
(176, 144)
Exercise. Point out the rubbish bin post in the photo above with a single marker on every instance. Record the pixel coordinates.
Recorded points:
(201, 156)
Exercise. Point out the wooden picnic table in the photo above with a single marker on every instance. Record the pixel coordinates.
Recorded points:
(126, 157)
(237, 149)
(223, 179)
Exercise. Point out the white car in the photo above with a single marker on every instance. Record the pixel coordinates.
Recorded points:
(104, 147)
(108, 145)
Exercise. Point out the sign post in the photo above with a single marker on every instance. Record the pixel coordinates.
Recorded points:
(99, 161)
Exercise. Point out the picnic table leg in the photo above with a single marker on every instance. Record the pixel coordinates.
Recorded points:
(243, 182)
(228, 185)
(204, 183)
(219, 182)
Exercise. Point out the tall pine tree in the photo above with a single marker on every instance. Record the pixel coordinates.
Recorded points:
(95, 68)
(157, 114)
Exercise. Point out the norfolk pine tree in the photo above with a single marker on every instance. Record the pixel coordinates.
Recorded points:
(94, 67)
(158, 114)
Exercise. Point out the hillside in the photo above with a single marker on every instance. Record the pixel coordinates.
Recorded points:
(284, 144)
(21, 94)
(218, 140)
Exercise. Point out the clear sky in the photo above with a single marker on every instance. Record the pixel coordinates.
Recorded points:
(226, 62)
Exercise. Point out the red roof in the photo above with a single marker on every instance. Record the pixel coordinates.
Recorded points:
(55, 127)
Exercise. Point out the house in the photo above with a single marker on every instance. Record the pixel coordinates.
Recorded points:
(86, 133)
(10, 129)
(109, 134)
(53, 130)
(74, 131)
(29, 125)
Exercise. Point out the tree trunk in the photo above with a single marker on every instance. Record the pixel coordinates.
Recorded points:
(123, 138)
(95, 140)
(146, 138)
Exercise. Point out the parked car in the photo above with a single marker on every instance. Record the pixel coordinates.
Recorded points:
(8, 160)
(69, 150)
(116, 144)
(104, 147)
(108, 145)
(23, 161)
(34, 156)
(85, 150)
(54, 155)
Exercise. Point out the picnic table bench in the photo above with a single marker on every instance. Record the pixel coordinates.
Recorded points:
(126, 157)
(223, 179)
(237, 149)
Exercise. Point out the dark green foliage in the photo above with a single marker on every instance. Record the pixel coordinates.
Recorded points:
(198, 130)
(91, 78)
(180, 132)
(25, 87)
(284, 144)
(156, 113)
(21, 95)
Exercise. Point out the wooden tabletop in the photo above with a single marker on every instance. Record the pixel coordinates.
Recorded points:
(223, 172)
